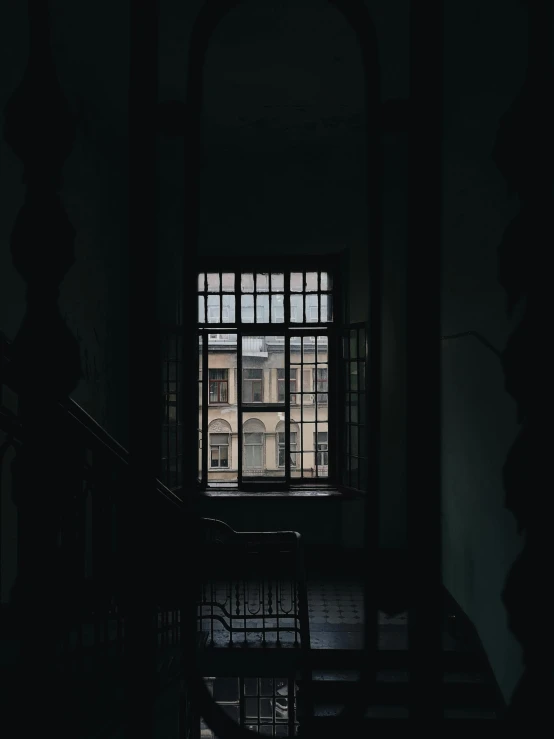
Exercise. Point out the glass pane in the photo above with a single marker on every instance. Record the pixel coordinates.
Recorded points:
(322, 348)
(226, 689)
(353, 376)
(326, 281)
(311, 282)
(354, 450)
(309, 346)
(213, 282)
(277, 282)
(201, 309)
(228, 282)
(228, 309)
(247, 308)
(354, 415)
(201, 282)
(214, 309)
(312, 309)
(296, 282)
(262, 283)
(262, 308)
(296, 309)
(361, 343)
(247, 282)
(353, 344)
(277, 308)
(326, 308)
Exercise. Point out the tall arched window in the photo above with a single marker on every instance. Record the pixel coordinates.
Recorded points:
(253, 447)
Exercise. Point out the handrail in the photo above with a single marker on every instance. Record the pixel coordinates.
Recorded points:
(86, 422)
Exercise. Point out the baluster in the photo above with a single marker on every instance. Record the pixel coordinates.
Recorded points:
(46, 362)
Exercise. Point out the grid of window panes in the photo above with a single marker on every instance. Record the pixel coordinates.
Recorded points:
(265, 705)
(259, 297)
(244, 414)
(309, 418)
(354, 357)
(172, 425)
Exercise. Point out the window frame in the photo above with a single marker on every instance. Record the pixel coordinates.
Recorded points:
(293, 392)
(288, 330)
(212, 445)
(281, 446)
(219, 383)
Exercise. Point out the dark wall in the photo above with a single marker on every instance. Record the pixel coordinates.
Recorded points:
(284, 167)
(283, 171)
(485, 64)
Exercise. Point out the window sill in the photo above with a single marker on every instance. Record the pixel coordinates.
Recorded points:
(319, 493)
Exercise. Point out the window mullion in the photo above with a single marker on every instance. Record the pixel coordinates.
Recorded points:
(286, 313)
(239, 408)
(287, 411)
(205, 409)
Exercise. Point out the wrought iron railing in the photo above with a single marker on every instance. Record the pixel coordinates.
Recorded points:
(253, 584)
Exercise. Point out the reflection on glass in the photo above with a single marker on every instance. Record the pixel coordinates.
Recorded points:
(201, 310)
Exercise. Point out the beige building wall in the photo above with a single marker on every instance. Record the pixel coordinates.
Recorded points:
(223, 417)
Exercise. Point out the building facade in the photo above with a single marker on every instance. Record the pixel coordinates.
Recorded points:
(263, 382)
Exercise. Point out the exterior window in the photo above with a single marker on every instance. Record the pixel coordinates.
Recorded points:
(253, 450)
(219, 450)
(322, 386)
(219, 386)
(252, 386)
(267, 339)
(322, 455)
(281, 386)
(293, 448)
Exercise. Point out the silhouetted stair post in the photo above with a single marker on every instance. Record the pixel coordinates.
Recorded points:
(142, 527)
(46, 359)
